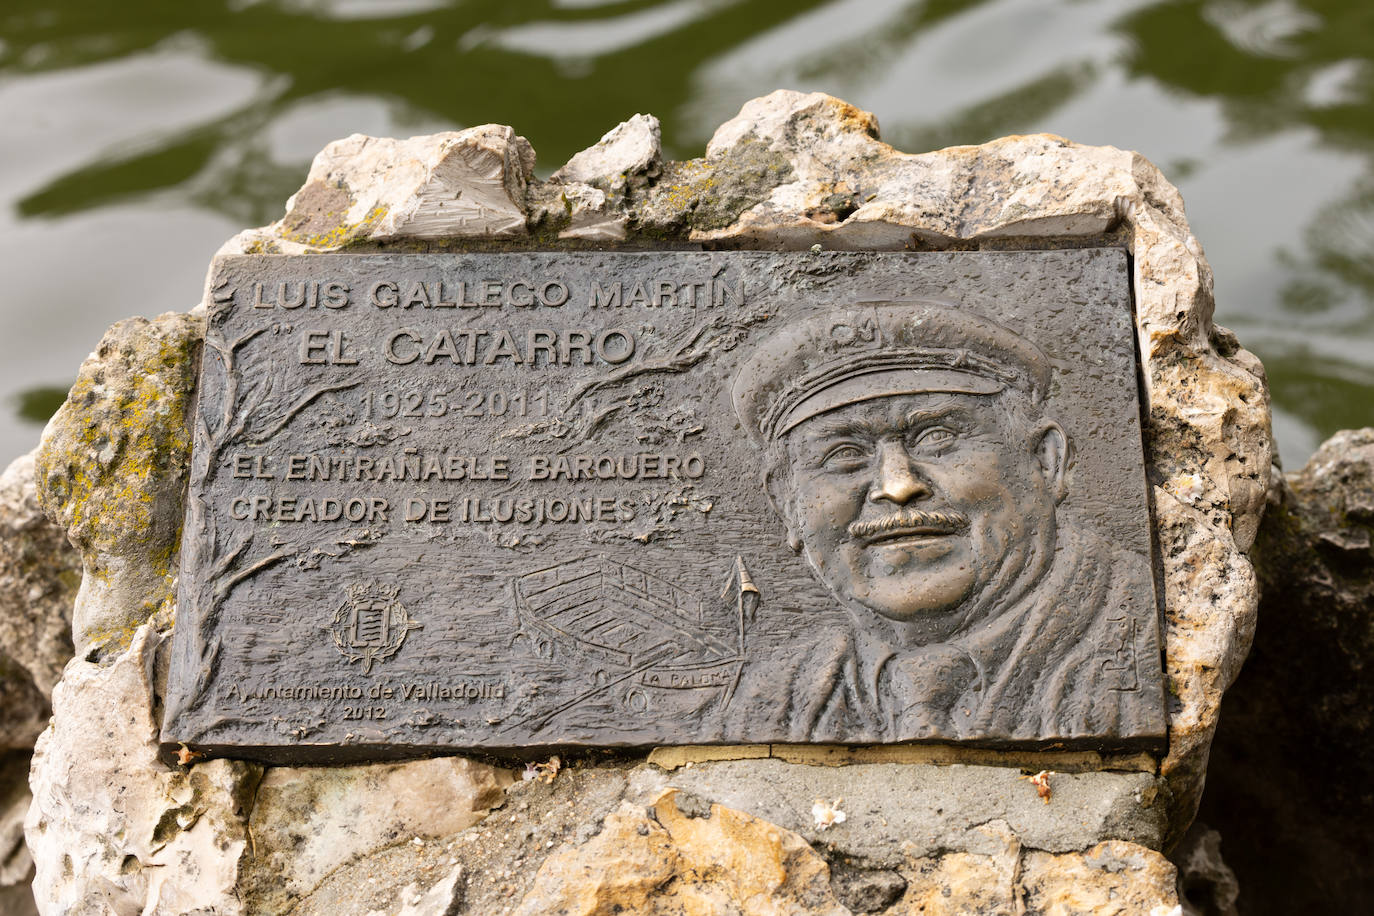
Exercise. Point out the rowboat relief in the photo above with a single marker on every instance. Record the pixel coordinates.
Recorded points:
(638, 628)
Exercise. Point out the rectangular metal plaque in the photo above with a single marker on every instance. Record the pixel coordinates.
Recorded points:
(523, 500)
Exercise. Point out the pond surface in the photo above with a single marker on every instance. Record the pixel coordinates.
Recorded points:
(138, 136)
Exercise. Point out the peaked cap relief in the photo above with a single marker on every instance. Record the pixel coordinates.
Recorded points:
(877, 349)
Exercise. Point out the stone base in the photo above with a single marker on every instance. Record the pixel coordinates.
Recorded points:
(113, 829)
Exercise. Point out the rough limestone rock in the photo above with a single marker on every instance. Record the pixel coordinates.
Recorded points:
(670, 857)
(1112, 878)
(112, 829)
(657, 859)
(399, 881)
(39, 575)
(459, 184)
(307, 820)
(1292, 789)
(586, 197)
(583, 209)
(964, 834)
(942, 806)
(111, 472)
(574, 843)
(628, 154)
(439, 900)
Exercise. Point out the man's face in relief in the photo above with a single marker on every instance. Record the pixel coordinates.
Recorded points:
(913, 504)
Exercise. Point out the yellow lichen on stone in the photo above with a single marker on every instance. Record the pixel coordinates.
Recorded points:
(711, 194)
(112, 466)
(118, 436)
(319, 217)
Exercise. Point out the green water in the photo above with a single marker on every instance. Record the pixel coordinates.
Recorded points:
(136, 137)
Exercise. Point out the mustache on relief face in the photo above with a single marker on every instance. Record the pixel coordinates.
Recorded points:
(948, 522)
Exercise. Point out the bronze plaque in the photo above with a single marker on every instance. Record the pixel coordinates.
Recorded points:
(506, 501)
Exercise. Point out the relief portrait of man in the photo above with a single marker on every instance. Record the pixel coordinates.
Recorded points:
(911, 459)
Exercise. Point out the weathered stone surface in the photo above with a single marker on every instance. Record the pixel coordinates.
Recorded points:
(586, 199)
(629, 154)
(459, 184)
(111, 471)
(583, 208)
(1291, 783)
(307, 821)
(681, 853)
(114, 829)
(962, 882)
(942, 806)
(661, 860)
(401, 879)
(39, 575)
(442, 899)
(567, 841)
(1111, 879)
(111, 828)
